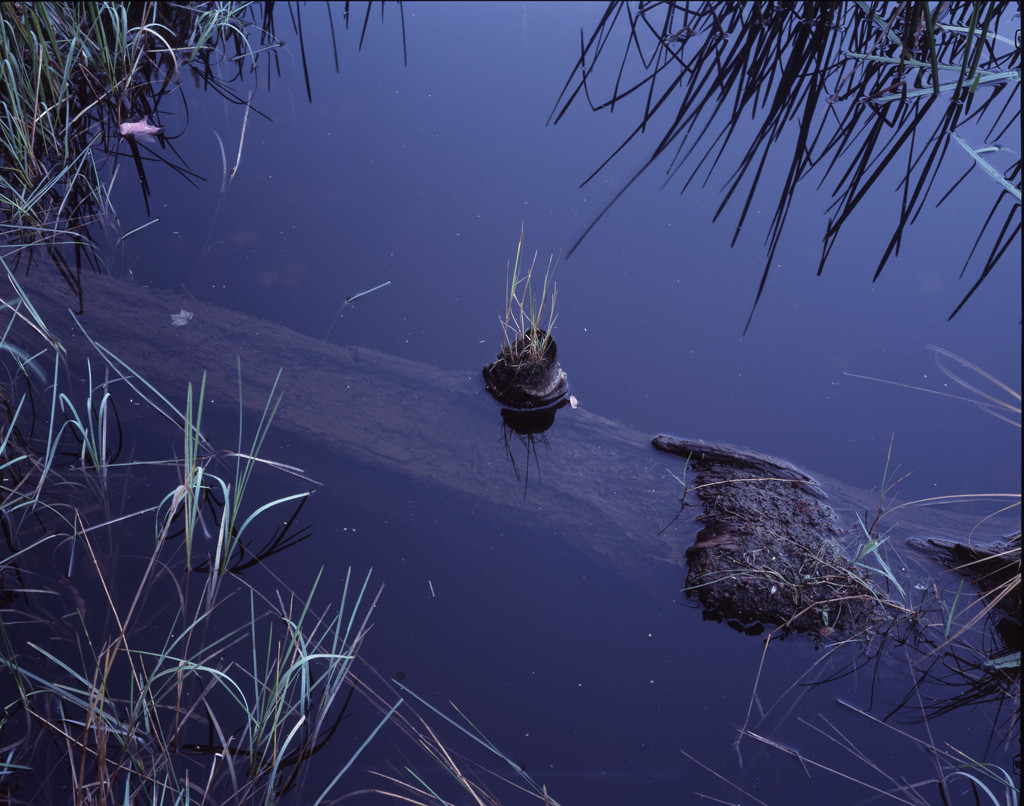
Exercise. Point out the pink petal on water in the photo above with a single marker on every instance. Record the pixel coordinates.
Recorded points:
(574, 402)
(139, 127)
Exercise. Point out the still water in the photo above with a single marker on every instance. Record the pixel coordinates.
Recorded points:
(422, 175)
(589, 669)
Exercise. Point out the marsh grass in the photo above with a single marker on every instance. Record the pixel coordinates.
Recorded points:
(990, 783)
(139, 672)
(858, 762)
(996, 398)
(945, 621)
(141, 661)
(231, 714)
(947, 638)
(950, 663)
(529, 317)
(488, 781)
(72, 73)
(943, 673)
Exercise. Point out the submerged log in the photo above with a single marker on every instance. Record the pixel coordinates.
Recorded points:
(602, 485)
(389, 415)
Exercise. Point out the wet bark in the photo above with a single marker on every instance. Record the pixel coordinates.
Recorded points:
(769, 551)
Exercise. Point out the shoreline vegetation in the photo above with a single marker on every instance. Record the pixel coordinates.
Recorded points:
(77, 78)
(115, 716)
(121, 715)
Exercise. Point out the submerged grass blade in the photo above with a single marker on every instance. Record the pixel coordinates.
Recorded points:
(357, 753)
(1013, 190)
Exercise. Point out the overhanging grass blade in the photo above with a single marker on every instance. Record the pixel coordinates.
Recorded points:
(473, 736)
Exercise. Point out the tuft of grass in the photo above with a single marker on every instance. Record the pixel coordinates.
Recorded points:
(529, 318)
(139, 722)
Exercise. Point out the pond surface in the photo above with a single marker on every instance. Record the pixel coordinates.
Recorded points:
(588, 668)
(422, 176)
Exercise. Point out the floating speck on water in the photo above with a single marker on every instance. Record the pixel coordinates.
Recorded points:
(181, 318)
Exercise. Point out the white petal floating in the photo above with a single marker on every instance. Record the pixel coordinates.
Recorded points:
(181, 318)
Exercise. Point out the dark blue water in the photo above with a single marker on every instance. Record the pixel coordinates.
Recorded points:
(423, 175)
(591, 678)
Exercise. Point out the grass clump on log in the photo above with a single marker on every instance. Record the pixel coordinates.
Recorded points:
(526, 378)
(529, 319)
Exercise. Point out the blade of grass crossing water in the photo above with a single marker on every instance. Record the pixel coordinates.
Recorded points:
(357, 753)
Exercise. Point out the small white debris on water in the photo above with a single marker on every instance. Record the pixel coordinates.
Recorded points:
(181, 318)
(574, 402)
(138, 128)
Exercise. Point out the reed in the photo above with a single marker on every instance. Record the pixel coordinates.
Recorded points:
(176, 722)
(150, 686)
(529, 318)
(472, 780)
(1000, 586)
(71, 74)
